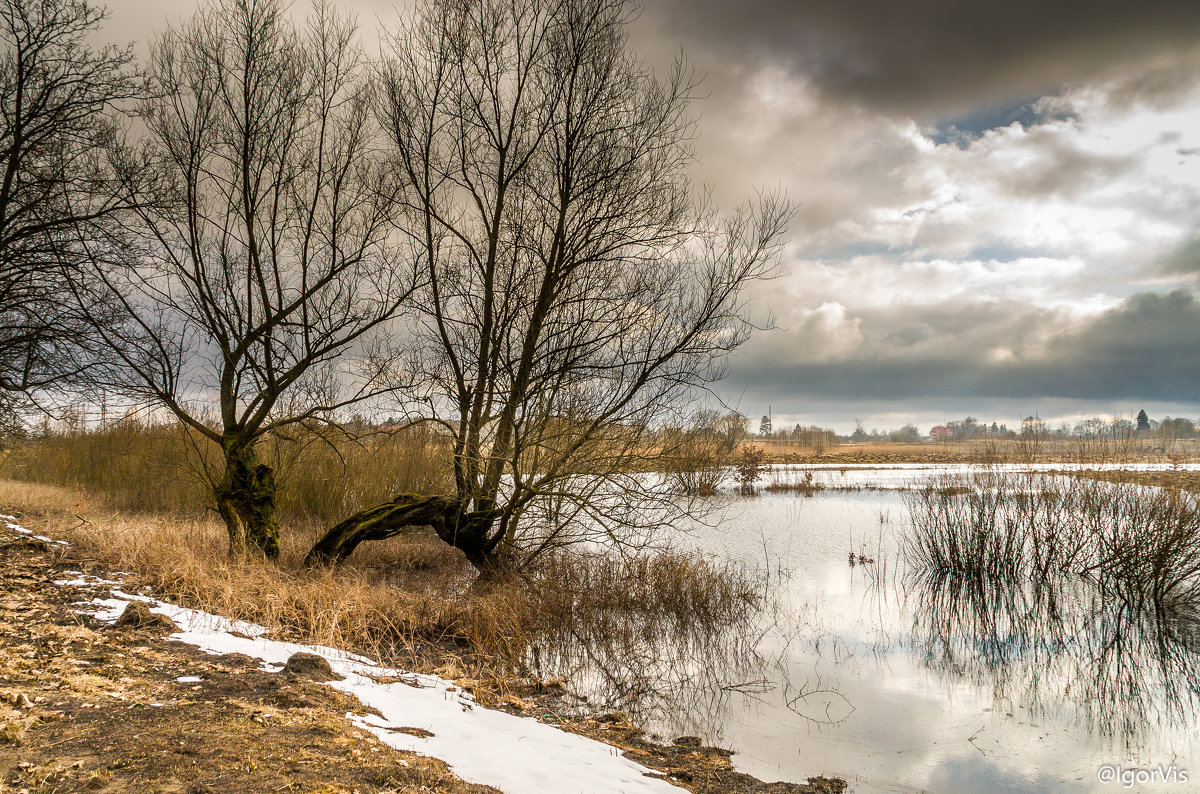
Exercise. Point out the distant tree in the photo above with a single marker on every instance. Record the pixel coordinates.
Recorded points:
(764, 427)
(729, 430)
(694, 457)
(906, 434)
(1033, 436)
(750, 468)
(1143, 421)
(860, 433)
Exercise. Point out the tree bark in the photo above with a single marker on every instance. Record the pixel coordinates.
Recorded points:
(246, 501)
(380, 522)
(468, 532)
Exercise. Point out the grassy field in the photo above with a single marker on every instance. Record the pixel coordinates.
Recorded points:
(989, 451)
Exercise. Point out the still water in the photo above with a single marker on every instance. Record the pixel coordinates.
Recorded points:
(868, 673)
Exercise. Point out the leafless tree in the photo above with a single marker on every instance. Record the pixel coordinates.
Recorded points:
(59, 116)
(253, 297)
(576, 290)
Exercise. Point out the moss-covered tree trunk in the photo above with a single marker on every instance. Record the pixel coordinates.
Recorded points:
(468, 532)
(405, 512)
(246, 501)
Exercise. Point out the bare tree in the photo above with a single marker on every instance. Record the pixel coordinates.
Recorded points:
(576, 292)
(59, 116)
(253, 298)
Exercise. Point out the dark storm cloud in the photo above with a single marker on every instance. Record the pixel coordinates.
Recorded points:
(1184, 260)
(940, 58)
(1148, 348)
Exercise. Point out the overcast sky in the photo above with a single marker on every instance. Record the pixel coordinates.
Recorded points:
(999, 202)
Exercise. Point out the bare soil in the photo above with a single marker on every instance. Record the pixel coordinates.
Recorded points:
(85, 706)
(88, 707)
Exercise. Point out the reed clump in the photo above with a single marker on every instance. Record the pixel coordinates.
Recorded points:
(576, 588)
(1023, 526)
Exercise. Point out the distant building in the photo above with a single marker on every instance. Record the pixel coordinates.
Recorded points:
(941, 433)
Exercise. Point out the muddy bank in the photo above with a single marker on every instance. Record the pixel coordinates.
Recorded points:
(86, 706)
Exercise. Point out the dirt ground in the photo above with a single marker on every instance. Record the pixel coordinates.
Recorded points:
(89, 707)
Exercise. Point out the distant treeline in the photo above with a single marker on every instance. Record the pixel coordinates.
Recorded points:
(970, 428)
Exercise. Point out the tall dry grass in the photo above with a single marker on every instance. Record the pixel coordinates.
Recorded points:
(412, 601)
(408, 600)
(323, 475)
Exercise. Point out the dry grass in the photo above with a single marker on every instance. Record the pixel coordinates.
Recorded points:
(412, 601)
(408, 599)
(147, 468)
(985, 451)
(662, 588)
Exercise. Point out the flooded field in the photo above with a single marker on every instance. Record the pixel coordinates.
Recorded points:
(864, 667)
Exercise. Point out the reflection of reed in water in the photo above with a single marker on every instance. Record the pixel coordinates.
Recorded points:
(673, 663)
(1111, 658)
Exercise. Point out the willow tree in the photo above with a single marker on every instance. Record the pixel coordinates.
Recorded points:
(251, 297)
(576, 290)
(60, 100)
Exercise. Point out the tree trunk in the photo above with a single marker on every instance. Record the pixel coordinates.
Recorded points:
(246, 501)
(468, 532)
(380, 522)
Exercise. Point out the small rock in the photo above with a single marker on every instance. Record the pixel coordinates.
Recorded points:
(687, 741)
(310, 666)
(138, 616)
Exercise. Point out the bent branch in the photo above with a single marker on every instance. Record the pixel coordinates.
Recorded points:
(382, 522)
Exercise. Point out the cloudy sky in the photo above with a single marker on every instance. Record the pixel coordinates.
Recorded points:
(999, 202)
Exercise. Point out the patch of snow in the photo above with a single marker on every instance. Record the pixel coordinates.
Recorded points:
(188, 679)
(83, 581)
(517, 755)
(10, 522)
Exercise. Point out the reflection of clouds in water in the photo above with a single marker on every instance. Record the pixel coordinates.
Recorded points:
(928, 713)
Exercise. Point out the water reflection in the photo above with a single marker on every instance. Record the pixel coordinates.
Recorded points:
(678, 676)
(894, 678)
(1118, 666)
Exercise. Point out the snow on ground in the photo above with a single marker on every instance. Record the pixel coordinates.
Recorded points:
(517, 755)
(10, 522)
(83, 580)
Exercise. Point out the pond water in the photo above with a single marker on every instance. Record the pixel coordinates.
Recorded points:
(868, 673)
